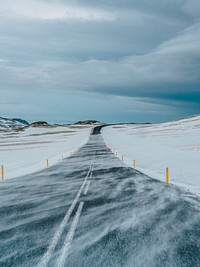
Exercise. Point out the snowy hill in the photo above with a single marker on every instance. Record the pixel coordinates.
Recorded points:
(12, 124)
(88, 122)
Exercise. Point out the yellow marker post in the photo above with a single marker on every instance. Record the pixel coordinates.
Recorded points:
(62, 158)
(47, 163)
(2, 172)
(134, 164)
(122, 158)
(167, 175)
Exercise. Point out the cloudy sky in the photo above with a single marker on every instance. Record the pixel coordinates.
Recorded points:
(110, 60)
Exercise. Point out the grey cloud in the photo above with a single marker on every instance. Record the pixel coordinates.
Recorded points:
(149, 50)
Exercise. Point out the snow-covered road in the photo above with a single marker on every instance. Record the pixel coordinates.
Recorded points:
(92, 210)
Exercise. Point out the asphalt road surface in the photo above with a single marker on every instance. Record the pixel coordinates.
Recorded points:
(92, 210)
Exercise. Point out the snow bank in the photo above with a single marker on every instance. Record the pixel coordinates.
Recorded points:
(156, 146)
(26, 151)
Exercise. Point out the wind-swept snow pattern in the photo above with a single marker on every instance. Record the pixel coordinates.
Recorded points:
(128, 219)
(175, 145)
(61, 227)
(69, 237)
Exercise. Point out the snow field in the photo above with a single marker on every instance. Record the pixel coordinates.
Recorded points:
(25, 152)
(155, 147)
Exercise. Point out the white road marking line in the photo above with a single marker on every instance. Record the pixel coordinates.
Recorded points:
(86, 188)
(58, 233)
(69, 238)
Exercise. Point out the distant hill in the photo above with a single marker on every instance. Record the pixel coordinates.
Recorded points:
(12, 124)
(88, 122)
(40, 124)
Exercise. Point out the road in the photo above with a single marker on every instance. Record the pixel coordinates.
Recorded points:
(92, 210)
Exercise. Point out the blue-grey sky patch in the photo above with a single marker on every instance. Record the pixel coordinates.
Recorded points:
(130, 60)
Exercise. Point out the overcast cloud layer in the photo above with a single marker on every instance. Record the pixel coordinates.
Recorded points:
(111, 60)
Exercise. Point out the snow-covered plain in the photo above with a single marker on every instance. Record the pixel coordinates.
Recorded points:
(175, 145)
(24, 152)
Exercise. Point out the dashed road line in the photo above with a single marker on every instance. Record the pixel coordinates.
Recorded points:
(46, 258)
(69, 238)
(87, 187)
(88, 183)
